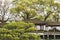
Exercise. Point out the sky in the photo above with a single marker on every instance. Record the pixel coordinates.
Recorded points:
(57, 1)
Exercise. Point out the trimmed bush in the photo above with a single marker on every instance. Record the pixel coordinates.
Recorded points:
(18, 31)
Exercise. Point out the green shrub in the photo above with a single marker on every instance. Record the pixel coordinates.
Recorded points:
(18, 31)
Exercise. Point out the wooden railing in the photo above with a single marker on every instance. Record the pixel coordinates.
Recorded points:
(49, 39)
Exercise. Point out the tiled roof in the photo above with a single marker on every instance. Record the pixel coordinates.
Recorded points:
(39, 22)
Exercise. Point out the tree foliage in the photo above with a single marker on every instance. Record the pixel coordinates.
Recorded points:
(41, 9)
(4, 10)
(18, 31)
(24, 6)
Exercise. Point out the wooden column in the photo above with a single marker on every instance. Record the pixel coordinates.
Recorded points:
(48, 37)
(48, 34)
(54, 37)
(43, 37)
(54, 33)
(44, 32)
